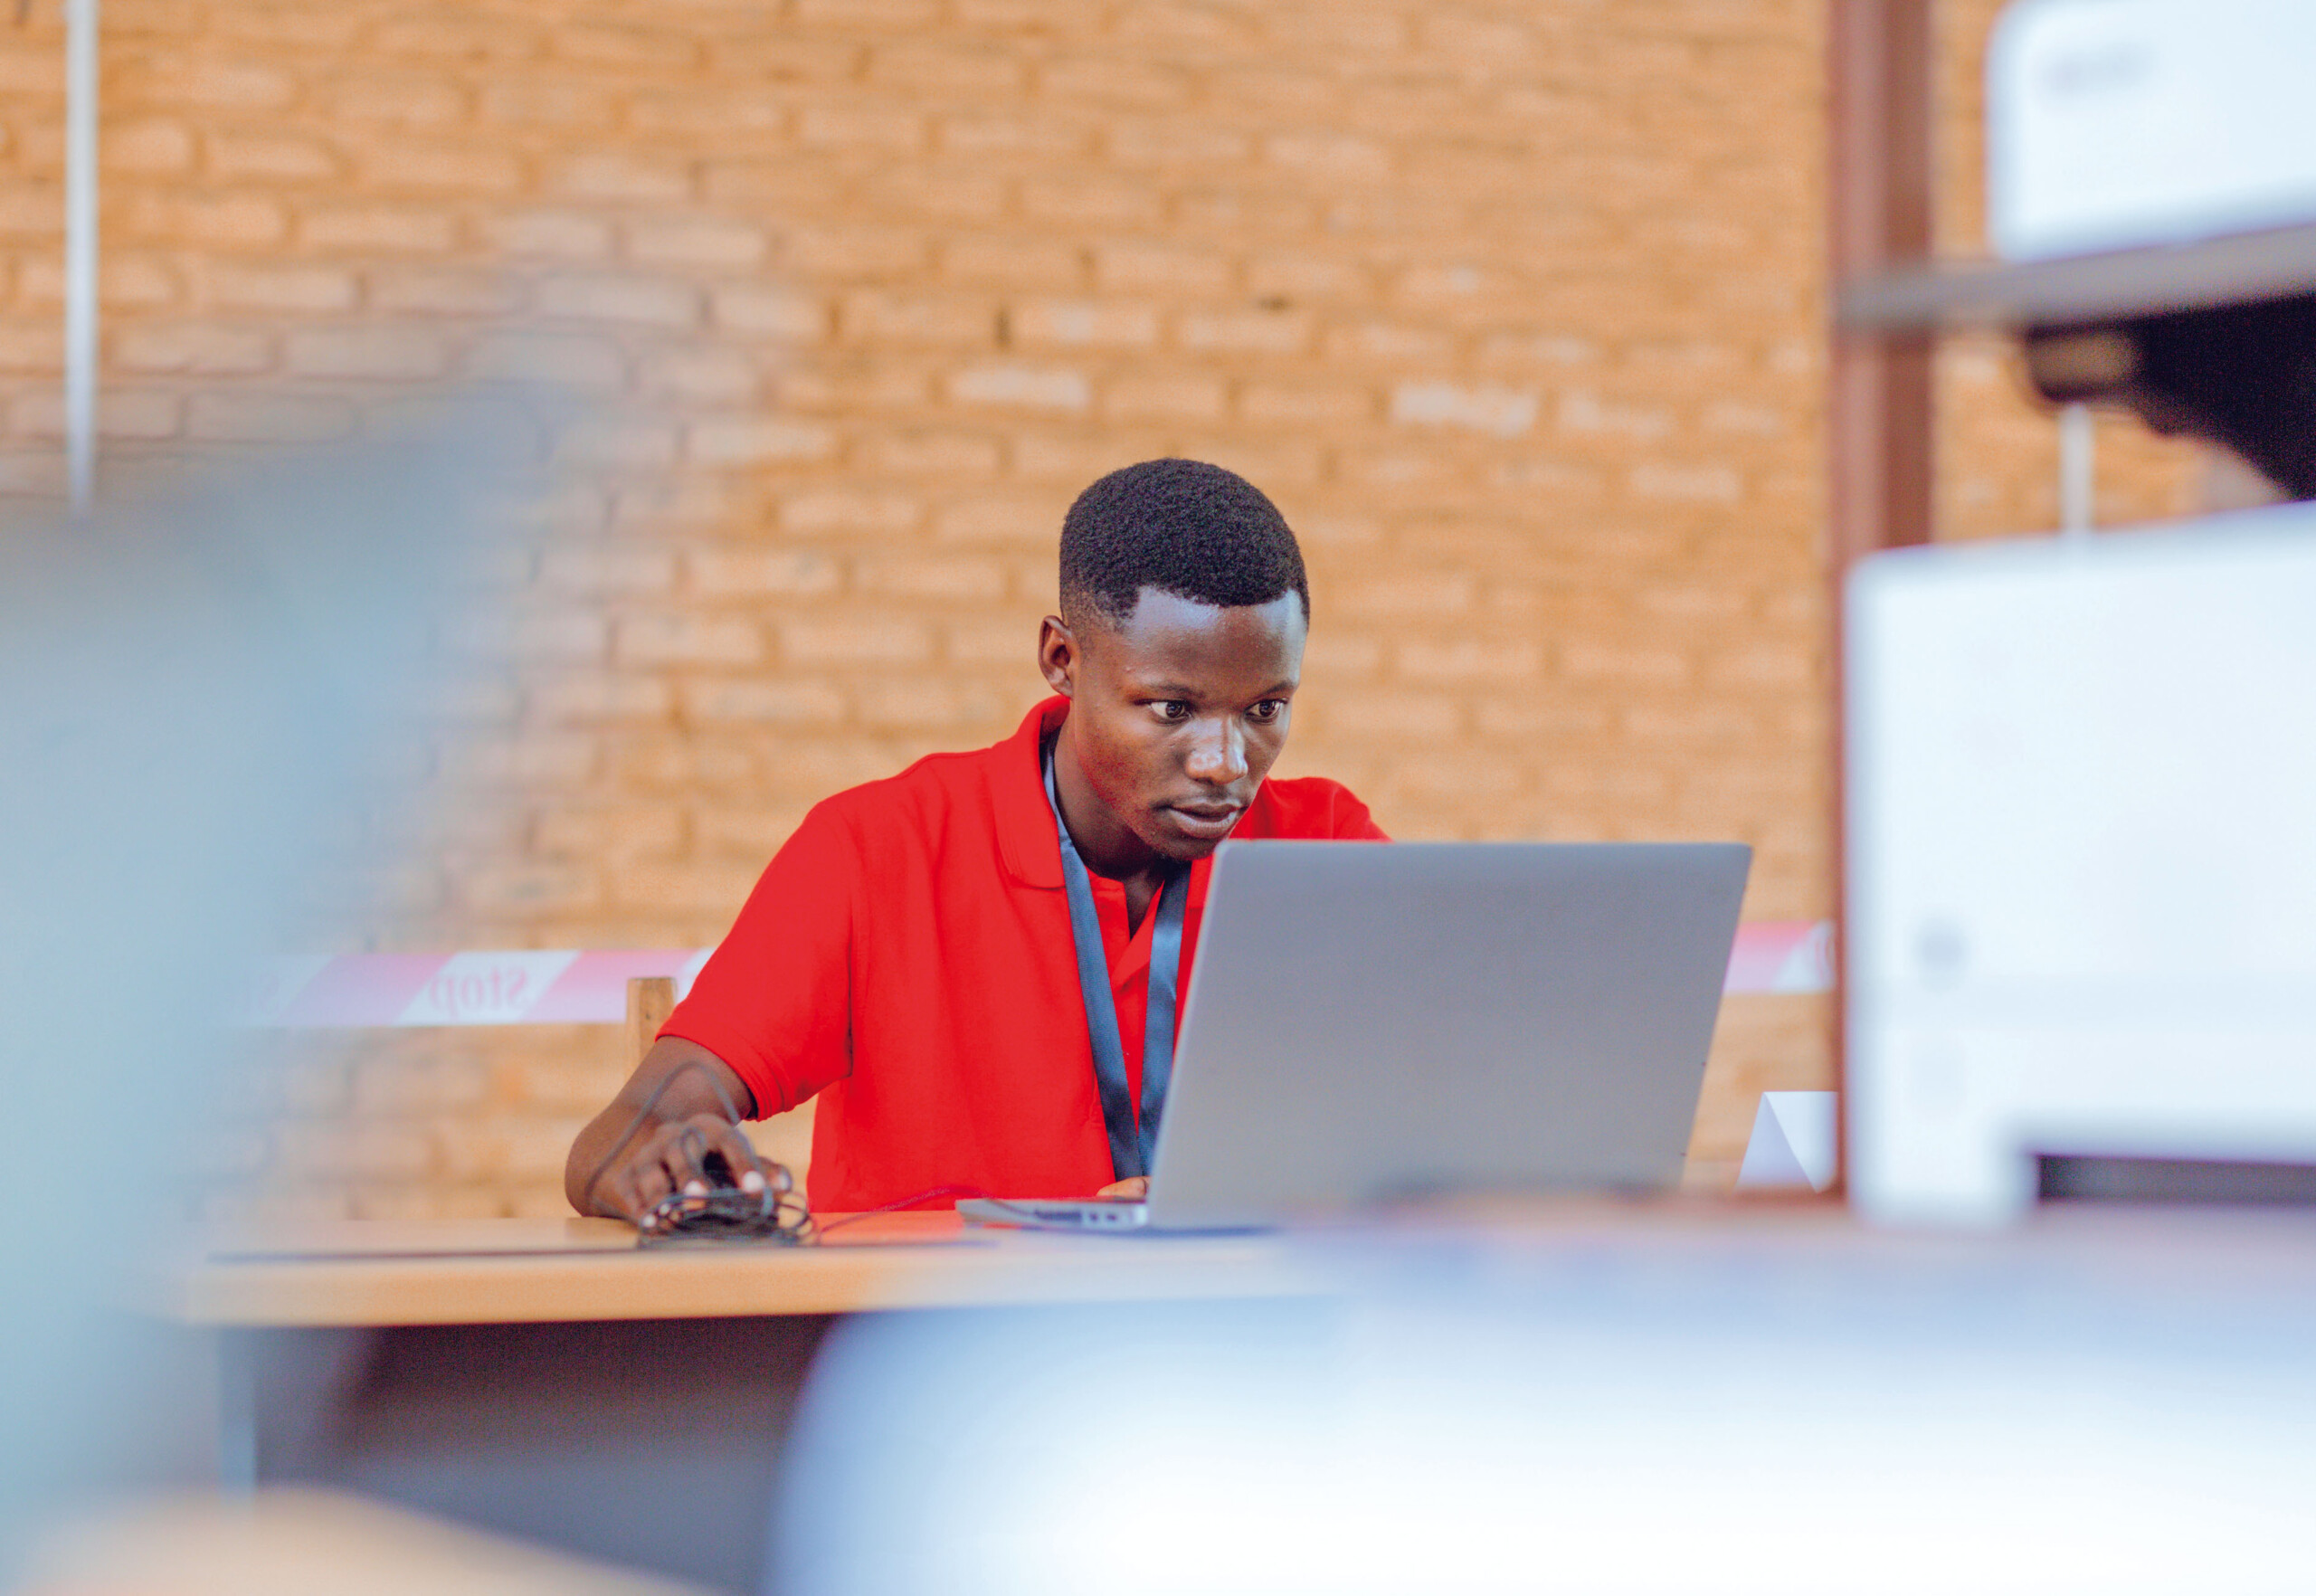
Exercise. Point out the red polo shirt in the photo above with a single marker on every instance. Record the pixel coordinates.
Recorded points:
(907, 956)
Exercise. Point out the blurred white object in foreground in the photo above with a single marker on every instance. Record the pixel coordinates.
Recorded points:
(1802, 1410)
(2114, 123)
(188, 686)
(2081, 895)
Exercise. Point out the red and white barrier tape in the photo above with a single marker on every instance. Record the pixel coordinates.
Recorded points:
(1782, 956)
(530, 988)
(535, 988)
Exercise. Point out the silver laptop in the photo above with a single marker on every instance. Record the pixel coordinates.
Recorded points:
(1372, 1022)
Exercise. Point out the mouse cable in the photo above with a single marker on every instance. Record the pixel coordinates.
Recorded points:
(898, 1204)
(914, 1198)
(776, 1204)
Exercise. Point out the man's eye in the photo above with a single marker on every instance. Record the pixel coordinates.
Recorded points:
(1174, 709)
(1268, 709)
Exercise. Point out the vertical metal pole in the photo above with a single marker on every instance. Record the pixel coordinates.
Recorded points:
(2078, 470)
(80, 252)
(1880, 60)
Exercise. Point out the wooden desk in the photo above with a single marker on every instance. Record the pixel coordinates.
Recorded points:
(540, 1272)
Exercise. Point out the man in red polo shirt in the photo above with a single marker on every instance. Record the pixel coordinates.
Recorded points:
(984, 999)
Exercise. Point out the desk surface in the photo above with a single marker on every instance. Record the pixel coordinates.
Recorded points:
(529, 1271)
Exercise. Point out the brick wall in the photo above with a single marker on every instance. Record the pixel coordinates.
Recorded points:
(1514, 309)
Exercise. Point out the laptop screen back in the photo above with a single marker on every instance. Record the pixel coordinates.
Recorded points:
(1371, 1021)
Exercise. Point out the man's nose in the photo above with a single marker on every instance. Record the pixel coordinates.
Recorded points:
(1218, 755)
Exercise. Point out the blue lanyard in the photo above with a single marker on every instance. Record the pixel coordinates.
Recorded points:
(1133, 1148)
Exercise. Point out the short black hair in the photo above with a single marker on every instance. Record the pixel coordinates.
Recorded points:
(1184, 527)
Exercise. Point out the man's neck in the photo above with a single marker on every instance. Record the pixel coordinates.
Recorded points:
(1106, 844)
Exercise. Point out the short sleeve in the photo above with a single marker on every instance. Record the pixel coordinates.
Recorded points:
(774, 1000)
(1348, 820)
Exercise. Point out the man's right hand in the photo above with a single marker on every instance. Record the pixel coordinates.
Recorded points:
(667, 1157)
(664, 1153)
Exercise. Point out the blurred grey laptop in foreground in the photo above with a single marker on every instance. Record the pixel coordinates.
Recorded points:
(1372, 1022)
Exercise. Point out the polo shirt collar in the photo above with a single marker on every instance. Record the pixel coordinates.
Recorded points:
(1027, 839)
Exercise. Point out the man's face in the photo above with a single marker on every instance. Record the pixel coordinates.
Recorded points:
(1177, 714)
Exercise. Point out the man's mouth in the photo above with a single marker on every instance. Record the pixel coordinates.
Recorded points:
(1206, 820)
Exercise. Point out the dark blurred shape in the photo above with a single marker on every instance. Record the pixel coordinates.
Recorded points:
(2224, 351)
(2204, 1182)
(2243, 375)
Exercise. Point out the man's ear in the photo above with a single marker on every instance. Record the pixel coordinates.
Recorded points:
(1058, 655)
